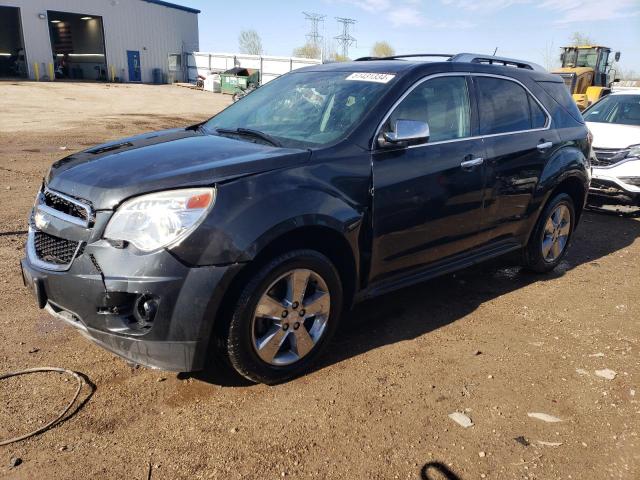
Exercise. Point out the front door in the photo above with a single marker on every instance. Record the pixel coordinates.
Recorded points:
(428, 198)
(133, 60)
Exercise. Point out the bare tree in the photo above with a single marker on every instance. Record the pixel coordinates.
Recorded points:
(579, 39)
(250, 42)
(627, 74)
(382, 49)
(308, 50)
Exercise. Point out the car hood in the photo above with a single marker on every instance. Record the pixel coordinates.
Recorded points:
(611, 135)
(109, 173)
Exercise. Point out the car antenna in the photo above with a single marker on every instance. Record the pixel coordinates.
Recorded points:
(494, 52)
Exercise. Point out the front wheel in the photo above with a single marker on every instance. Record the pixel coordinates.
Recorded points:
(551, 237)
(284, 317)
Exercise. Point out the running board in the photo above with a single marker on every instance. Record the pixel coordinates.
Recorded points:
(438, 269)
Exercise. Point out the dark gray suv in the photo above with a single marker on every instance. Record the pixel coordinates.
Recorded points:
(247, 235)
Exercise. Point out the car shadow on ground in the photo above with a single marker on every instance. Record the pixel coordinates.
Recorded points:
(415, 311)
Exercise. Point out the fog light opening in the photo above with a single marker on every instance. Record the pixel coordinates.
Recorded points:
(145, 309)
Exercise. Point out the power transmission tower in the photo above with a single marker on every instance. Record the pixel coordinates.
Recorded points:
(345, 39)
(314, 37)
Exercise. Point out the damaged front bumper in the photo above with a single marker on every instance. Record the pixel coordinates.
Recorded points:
(151, 309)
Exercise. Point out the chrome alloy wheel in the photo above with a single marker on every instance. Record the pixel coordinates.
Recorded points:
(556, 233)
(290, 317)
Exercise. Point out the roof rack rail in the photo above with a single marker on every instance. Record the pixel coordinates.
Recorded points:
(466, 58)
(397, 57)
(492, 60)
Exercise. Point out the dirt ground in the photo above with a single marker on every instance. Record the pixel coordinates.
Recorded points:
(492, 342)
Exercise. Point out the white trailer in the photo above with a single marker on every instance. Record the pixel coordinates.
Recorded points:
(203, 63)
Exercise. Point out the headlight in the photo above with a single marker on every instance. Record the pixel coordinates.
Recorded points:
(634, 151)
(160, 219)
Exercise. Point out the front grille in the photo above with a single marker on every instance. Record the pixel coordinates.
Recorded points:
(54, 250)
(63, 205)
(605, 157)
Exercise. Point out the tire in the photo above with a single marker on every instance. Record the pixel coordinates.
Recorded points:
(552, 235)
(270, 337)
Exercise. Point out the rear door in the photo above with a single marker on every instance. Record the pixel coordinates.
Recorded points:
(518, 142)
(427, 202)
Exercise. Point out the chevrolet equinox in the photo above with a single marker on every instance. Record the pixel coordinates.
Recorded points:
(248, 234)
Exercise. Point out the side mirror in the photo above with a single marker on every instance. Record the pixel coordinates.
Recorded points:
(562, 58)
(617, 56)
(408, 131)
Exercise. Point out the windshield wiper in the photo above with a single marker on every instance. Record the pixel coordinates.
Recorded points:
(249, 132)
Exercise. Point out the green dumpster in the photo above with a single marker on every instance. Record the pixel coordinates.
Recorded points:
(238, 79)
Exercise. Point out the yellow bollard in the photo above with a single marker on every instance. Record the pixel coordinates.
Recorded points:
(51, 74)
(113, 74)
(36, 71)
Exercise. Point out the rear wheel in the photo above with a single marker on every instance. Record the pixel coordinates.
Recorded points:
(284, 317)
(551, 237)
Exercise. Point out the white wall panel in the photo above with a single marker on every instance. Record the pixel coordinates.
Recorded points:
(154, 30)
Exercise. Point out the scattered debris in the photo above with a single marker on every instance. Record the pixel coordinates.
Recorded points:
(63, 448)
(14, 462)
(582, 371)
(461, 419)
(489, 377)
(606, 373)
(522, 441)
(8, 187)
(34, 350)
(233, 430)
(549, 444)
(161, 379)
(63, 148)
(477, 352)
(632, 392)
(544, 417)
(482, 454)
(599, 354)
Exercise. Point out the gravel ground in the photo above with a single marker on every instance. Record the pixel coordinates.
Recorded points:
(491, 342)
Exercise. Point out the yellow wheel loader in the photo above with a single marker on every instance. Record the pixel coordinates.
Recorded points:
(587, 72)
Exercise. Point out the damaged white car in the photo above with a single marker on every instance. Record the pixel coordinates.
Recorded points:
(614, 122)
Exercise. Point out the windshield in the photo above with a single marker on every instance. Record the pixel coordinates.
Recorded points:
(304, 109)
(620, 109)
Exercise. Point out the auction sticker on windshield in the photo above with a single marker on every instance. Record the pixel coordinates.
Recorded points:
(371, 77)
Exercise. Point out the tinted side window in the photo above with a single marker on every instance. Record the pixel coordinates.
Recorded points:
(504, 106)
(560, 93)
(538, 117)
(443, 103)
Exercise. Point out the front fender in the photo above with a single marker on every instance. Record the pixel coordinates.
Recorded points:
(253, 211)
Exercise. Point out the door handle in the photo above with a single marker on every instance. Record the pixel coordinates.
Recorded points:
(544, 146)
(469, 165)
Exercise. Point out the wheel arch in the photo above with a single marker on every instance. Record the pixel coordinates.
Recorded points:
(325, 239)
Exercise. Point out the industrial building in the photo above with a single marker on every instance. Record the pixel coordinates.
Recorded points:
(108, 40)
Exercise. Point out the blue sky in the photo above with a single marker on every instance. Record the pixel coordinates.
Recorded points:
(529, 29)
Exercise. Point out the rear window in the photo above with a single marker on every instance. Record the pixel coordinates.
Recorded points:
(560, 93)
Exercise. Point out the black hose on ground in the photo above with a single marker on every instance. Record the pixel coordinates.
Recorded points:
(61, 415)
